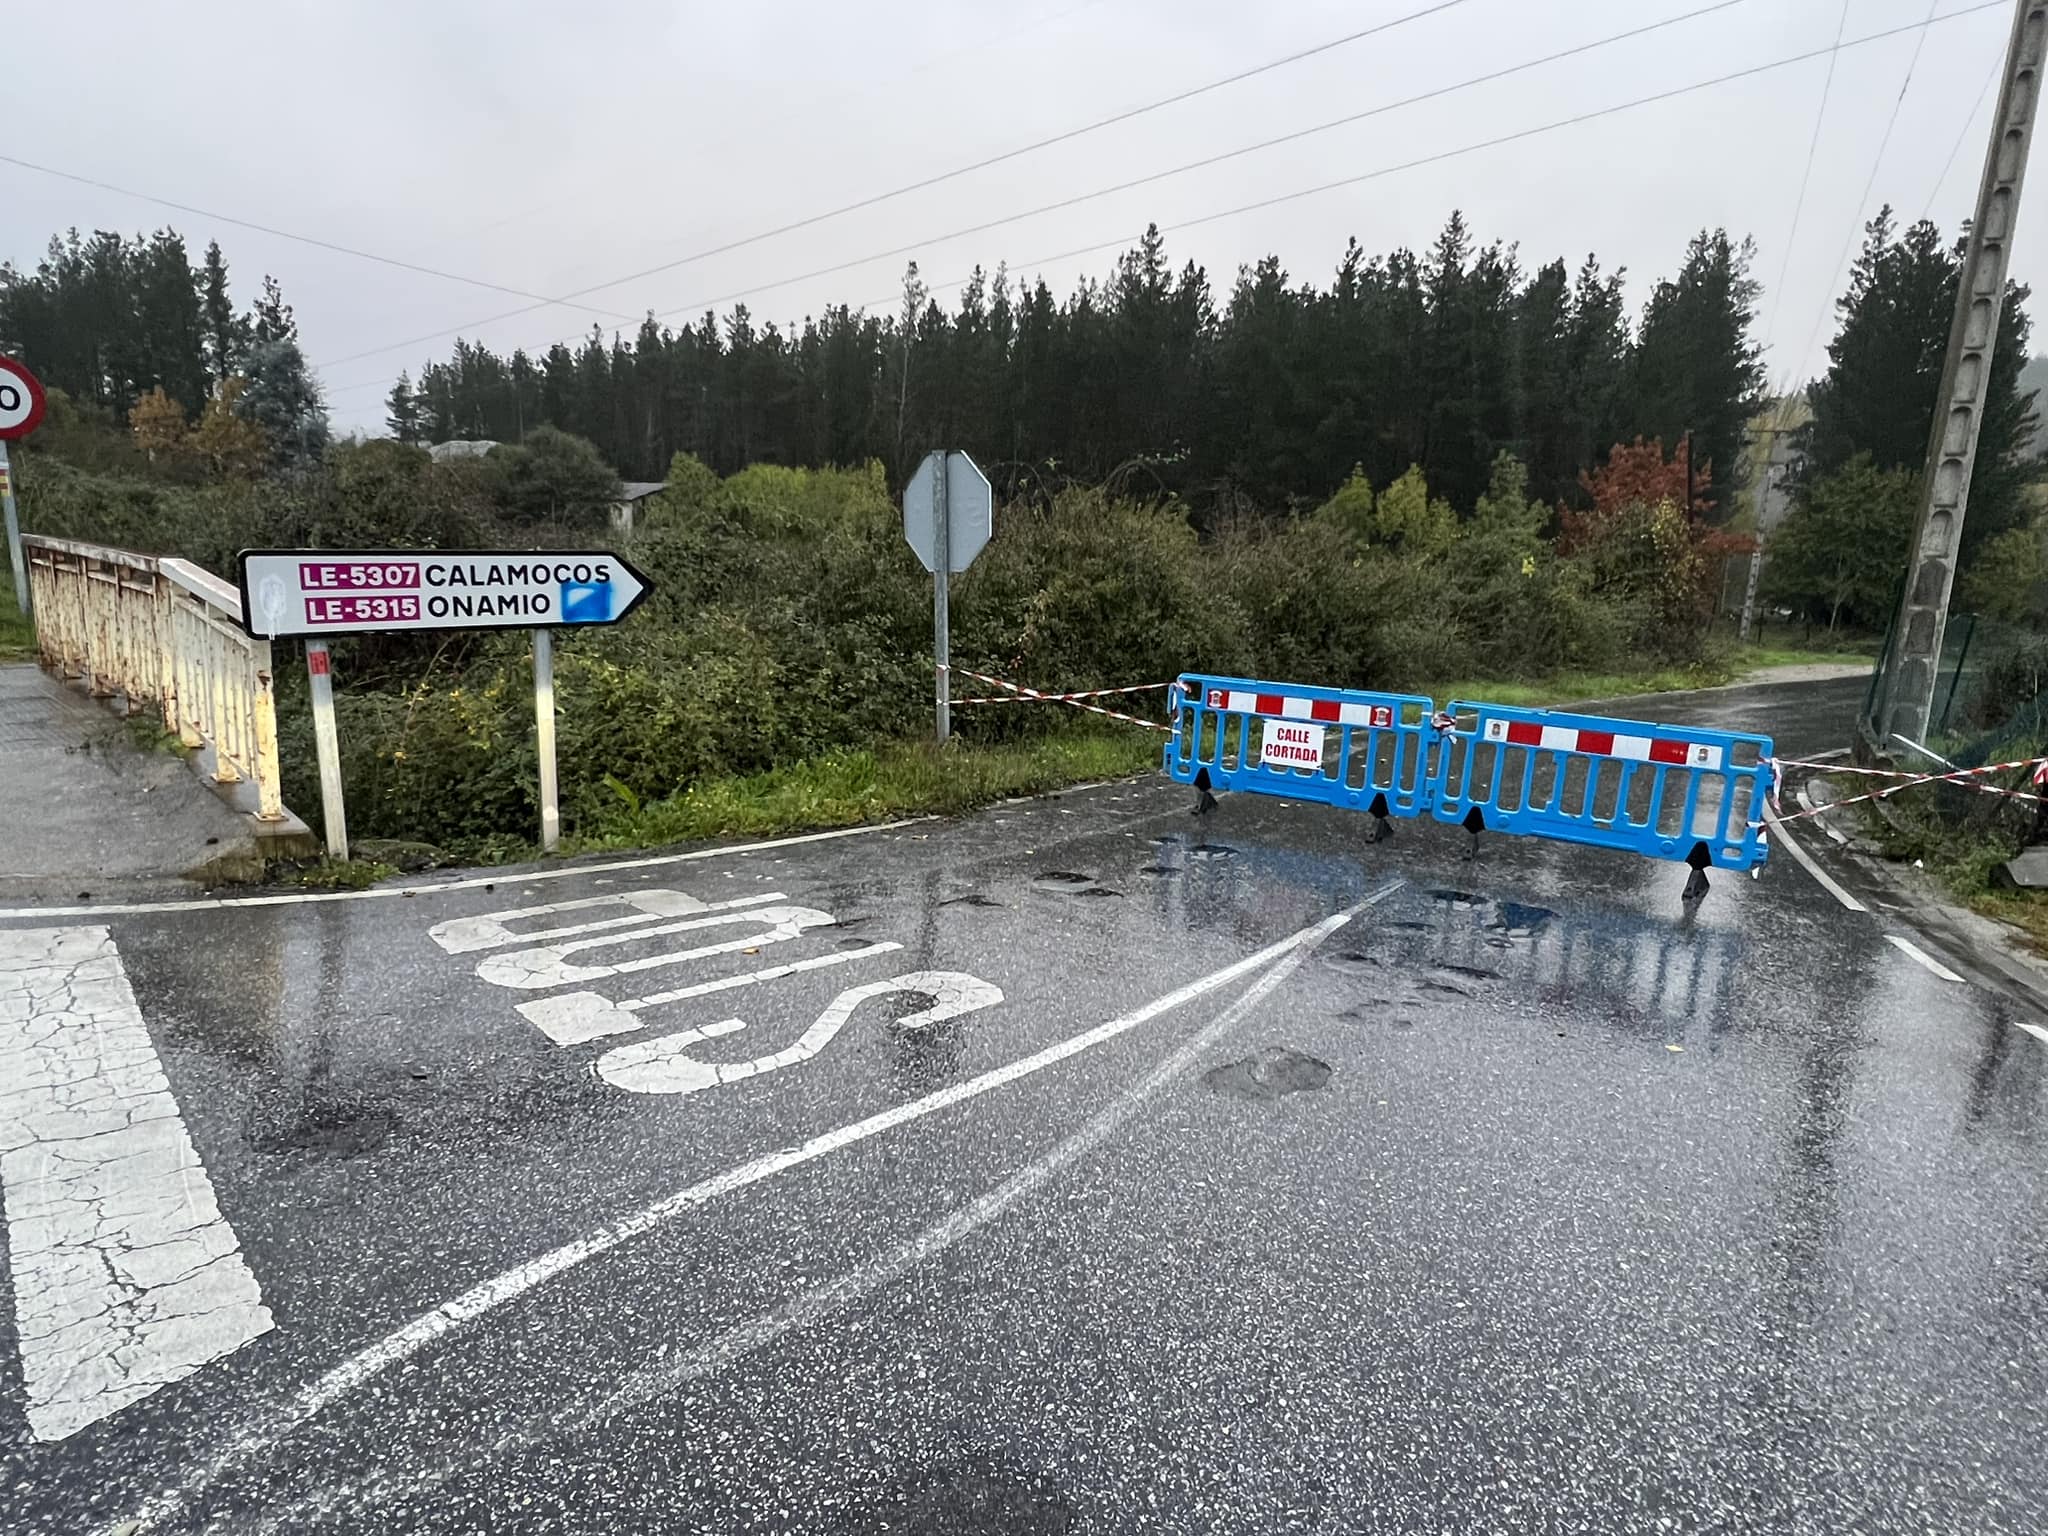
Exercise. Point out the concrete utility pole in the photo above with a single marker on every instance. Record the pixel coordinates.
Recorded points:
(1907, 697)
(1761, 470)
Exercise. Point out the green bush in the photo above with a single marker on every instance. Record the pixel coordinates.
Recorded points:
(790, 629)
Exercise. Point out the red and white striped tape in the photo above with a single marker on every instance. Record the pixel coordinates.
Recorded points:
(1065, 698)
(1965, 777)
(1054, 698)
(2039, 765)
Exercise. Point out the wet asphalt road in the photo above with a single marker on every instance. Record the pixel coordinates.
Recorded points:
(1292, 1184)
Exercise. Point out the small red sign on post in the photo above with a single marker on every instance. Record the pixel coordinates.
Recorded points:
(21, 407)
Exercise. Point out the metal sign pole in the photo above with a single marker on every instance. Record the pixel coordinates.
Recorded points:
(544, 737)
(941, 622)
(318, 669)
(13, 530)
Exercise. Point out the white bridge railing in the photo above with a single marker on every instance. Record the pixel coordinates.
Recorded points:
(162, 632)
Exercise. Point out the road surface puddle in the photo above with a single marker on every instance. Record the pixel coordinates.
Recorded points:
(338, 1130)
(1518, 920)
(1063, 882)
(1354, 961)
(1397, 1021)
(1273, 1073)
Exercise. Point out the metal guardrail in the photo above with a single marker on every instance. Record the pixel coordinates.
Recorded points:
(162, 632)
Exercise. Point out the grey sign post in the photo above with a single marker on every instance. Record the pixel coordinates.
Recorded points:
(21, 407)
(948, 514)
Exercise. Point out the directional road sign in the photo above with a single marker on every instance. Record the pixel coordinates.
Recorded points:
(21, 400)
(970, 507)
(322, 592)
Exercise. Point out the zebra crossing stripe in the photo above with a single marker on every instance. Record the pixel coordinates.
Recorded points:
(126, 1275)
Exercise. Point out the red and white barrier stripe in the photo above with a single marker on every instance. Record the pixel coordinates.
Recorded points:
(1065, 698)
(1055, 698)
(1639, 749)
(1285, 707)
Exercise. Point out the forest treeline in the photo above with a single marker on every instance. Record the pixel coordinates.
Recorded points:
(1266, 395)
(1432, 467)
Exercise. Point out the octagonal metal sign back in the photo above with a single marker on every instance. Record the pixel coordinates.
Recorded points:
(970, 505)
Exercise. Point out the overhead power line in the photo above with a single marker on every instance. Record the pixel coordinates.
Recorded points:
(818, 109)
(1827, 85)
(1955, 149)
(875, 199)
(1124, 240)
(295, 238)
(1862, 202)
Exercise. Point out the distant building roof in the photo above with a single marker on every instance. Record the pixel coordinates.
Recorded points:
(448, 453)
(638, 490)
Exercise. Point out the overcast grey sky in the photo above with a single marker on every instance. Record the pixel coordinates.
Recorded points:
(551, 147)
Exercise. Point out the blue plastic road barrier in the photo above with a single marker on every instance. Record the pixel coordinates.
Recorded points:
(1663, 791)
(1360, 751)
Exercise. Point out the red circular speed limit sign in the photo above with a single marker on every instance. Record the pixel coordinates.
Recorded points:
(21, 400)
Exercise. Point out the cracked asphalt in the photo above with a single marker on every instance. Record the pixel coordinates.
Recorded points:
(1089, 1171)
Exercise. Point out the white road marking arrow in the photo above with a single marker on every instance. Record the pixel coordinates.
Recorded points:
(126, 1276)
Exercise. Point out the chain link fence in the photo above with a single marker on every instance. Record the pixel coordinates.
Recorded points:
(1990, 705)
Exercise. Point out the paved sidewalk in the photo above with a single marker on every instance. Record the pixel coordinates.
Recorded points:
(81, 804)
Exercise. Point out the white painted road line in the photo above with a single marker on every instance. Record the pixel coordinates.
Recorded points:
(2035, 1030)
(126, 1276)
(438, 888)
(824, 1299)
(268, 1428)
(821, 1301)
(1925, 959)
(1806, 862)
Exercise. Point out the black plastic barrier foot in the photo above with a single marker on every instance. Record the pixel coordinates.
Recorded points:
(1204, 801)
(1383, 829)
(1474, 823)
(1696, 886)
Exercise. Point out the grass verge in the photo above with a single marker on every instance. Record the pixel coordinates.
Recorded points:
(1568, 687)
(1751, 656)
(1723, 666)
(2024, 911)
(325, 875)
(846, 789)
(1960, 854)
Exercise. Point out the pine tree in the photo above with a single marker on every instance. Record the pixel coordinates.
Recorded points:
(167, 308)
(1698, 373)
(272, 320)
(403, 411)
(224, 333)
(1885, 361)
(915, 299)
